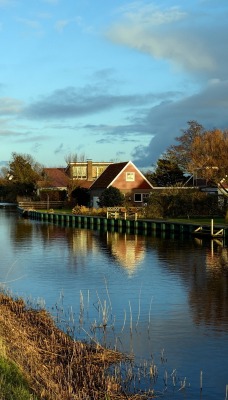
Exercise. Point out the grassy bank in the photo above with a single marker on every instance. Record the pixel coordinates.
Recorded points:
(201, 220)
(194, 220)
(13, 385)
(40, 361)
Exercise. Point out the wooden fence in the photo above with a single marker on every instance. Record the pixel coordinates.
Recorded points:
(40, 205)
(122, 212)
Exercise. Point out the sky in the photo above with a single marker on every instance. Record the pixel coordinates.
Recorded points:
(109, 80)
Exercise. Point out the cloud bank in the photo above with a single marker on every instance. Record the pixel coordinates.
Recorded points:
(193, 42)
(189, 41)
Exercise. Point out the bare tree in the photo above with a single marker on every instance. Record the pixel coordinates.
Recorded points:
(75, 157)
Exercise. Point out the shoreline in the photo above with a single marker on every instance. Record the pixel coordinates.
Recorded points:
(149, 227)
(55, 365)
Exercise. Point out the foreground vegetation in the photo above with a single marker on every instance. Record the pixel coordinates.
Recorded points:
(37, 355)
(13, 385)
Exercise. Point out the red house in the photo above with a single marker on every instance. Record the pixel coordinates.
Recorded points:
(126, 177)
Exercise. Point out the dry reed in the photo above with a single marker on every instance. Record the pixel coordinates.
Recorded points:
(56, 366)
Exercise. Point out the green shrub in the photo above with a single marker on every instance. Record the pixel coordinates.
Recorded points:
(111, 197)
(181, 202)
(82, 210)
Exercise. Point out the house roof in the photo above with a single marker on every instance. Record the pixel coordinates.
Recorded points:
(55, 177)
(82, 183)
(58, 178)
(109, 175)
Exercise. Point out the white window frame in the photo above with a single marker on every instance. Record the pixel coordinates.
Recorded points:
(99, 171)
(130, 176)
(79, 172)
(138, 194)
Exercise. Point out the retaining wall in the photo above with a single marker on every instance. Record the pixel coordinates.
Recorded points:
(146, 227)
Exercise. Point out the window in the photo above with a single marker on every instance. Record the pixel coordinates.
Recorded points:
(130, 176)
(79, 172)
(141, 197)
(145, 196)
(97, 171)
(138, 197)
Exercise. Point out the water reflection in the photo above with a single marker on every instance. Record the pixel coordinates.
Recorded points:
(217, 256)
(21, 232)
(174, 291)
(127, 250)
(209, 295)
(200, 266)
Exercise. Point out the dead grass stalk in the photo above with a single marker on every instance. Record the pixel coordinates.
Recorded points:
(56, 366)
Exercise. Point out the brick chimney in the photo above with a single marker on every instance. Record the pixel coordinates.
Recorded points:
(89, 170)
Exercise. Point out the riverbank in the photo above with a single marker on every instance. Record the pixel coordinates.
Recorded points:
(200, 227)
(56, 366)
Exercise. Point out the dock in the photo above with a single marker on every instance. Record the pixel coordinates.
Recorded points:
(211, 231)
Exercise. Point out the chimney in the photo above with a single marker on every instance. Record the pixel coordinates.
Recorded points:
(89, 170)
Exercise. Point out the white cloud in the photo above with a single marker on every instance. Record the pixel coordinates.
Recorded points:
(190, 41)
(61, 24)
(9, 106)
(181, 50)
(4, 3)
(32, 24)
(138, 13)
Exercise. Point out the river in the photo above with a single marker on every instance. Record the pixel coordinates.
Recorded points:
(165, 300)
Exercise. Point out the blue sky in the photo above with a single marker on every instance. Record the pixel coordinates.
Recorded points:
(110, 80)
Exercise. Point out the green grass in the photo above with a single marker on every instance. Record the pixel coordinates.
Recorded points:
(13, 385)
(58, 211)
(193, 220)
(200, 220)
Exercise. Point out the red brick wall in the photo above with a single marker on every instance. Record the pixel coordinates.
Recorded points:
(139, 182)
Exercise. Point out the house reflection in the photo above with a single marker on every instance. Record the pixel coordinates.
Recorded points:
(128, 250)
(83, 241)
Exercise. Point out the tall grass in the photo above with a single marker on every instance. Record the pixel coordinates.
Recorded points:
(13, 385)
(56, 366)
(59, 367)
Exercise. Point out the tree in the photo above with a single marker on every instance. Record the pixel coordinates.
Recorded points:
(111, 197)
(75, 157)
(210, 158)
(210, 155)
(23, 174)
(24, 169)
(203, 152)
(181, 154)
(167, 173)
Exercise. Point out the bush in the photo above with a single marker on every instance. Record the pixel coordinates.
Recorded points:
(81, 196)
(81, 210)
(181, 202)
(111, 197)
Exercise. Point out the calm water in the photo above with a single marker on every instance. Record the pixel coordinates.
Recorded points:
(164, 299)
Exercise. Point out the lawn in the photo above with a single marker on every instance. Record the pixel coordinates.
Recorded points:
(201, 220)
